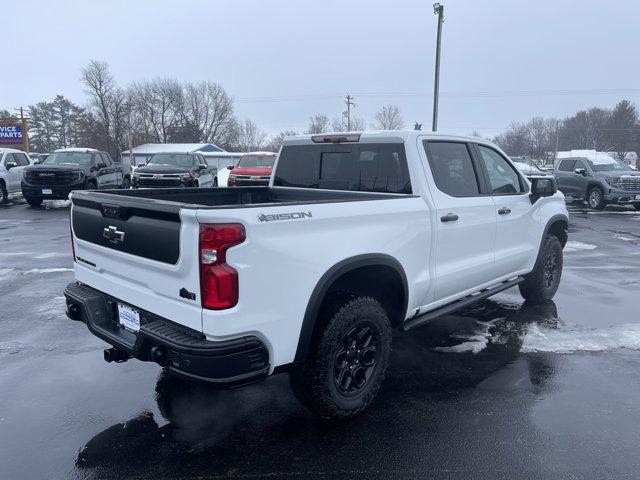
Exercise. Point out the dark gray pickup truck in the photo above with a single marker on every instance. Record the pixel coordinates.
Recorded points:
(599, 181)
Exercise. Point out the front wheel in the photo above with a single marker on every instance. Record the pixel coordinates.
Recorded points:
(348, 362)
(595, 198)
(542, 283)
(126, 183)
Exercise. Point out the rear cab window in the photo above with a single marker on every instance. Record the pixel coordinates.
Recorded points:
(365, 167)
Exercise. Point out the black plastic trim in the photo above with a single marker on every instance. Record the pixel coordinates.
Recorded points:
(325, 282)
(427, 317)
(187, 352)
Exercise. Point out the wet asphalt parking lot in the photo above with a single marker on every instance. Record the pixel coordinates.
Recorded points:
(499, 390)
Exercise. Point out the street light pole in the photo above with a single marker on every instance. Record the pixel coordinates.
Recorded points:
(438, 9)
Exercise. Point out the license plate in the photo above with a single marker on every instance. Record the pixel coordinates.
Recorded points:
(129, 318)
(637, 197)
(46, 191)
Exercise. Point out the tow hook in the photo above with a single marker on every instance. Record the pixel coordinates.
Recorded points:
(114, 354)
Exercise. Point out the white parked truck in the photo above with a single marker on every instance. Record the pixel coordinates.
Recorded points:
(356, 234)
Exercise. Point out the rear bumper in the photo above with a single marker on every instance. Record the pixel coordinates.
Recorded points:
(181, 350)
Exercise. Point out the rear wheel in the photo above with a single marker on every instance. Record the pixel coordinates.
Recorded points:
(542, 283)
(595, 198)
(348, 363)
(636, 206)
(215, 182)
(3, 192)
(91, 186)
(34, 201)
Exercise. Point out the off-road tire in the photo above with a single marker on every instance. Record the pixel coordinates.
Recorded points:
(542, 283)
(595, 198)
(315, 383)
(34, 202)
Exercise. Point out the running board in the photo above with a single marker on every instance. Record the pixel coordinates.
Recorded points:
(427, 317)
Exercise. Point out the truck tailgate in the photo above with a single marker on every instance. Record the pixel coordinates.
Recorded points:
(144, 254)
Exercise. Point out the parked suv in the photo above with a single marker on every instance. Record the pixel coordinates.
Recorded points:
(599, 180)
(12, 165)
(356, 234)
(175, 170)
(70, 169)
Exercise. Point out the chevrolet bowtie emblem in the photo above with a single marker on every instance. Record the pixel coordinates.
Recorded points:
(112, 234)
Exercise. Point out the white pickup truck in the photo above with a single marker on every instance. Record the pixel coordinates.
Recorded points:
(357, 234)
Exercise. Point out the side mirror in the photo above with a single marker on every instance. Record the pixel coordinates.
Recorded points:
(10, 165)
(581, 171)
(37, 161)
(202, 167)
(100, 166)
(542, 187)
(230, 167)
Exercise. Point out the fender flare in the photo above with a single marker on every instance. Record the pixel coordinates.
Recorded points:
(330, 276)
(552, 220)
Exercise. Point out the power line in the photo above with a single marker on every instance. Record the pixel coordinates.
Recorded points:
(450, 94)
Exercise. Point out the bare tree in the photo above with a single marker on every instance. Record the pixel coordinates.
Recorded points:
(100, 87)
(342, 125)
(389, 118)
(159, 102)
(319, 123)
(250, 137)
(275, 142)
(210, 109)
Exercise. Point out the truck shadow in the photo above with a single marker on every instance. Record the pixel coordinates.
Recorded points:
(261, 429)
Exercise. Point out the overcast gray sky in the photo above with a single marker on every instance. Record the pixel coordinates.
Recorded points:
(284, 60)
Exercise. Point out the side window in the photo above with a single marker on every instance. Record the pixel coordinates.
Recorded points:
(21, 159)
(503, 178)
(452, 168)
(566, 165)
(9, 158)
(580, 164)
(101, 158)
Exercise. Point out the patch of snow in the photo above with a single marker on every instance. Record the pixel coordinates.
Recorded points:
(576, 339)
(48, 270)
(5, 271)
(475, 342)
(622, 237)
(573, 246)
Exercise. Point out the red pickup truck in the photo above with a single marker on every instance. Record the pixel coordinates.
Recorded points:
(253, 169)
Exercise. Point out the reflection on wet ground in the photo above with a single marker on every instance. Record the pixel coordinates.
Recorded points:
(202, 422)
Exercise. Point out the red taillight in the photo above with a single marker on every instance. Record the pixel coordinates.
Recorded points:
(218, 281)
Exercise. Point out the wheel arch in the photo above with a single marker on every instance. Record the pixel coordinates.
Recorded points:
(355, 268)
(557, 226)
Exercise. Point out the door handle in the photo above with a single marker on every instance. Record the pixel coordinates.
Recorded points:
(504, 211)
(449, 217)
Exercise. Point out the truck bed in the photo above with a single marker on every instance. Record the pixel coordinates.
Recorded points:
(173, 199)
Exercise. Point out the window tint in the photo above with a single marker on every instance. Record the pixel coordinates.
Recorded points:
(452, 168)
(566, 165)
(21, 159)
(503, 178)
(364, 167)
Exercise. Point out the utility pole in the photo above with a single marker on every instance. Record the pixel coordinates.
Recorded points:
(349, 102)
(438, 9)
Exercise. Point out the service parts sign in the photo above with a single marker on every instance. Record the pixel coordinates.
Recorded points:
(11, 134)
